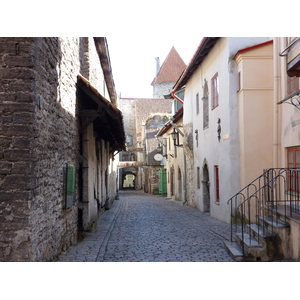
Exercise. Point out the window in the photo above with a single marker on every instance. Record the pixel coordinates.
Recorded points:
(215, 91)
(292, 84)
(217, 184)
(293, 159)
(197, 104)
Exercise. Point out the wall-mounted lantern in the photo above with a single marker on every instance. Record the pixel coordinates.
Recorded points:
(159, 150)
(174, 136)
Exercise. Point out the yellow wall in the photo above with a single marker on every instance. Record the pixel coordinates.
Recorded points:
(255, 112)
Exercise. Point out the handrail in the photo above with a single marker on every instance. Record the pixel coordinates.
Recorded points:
(267, 190)
(246, 186)
(262, 187)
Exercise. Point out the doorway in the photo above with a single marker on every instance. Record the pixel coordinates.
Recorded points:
(205, 190)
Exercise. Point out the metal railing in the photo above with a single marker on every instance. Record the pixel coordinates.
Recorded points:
(274, 195)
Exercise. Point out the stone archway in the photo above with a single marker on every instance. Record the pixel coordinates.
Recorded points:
(128, 180)
(205, 190)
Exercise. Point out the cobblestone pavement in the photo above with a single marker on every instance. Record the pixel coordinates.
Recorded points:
(146, 228)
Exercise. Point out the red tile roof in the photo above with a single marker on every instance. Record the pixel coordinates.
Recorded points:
(171, 69)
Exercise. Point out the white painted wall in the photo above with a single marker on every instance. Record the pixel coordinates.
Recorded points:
(225, 153)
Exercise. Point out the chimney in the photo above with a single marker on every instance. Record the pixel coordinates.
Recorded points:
(157, 65)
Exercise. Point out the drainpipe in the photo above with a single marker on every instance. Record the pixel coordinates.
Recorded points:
(174, 96)
(276, 100)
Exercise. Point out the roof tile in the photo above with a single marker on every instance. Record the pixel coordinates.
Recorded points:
(171, 69)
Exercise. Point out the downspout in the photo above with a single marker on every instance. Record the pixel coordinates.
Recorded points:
(276, 100)
(177, 98)
(184, 156)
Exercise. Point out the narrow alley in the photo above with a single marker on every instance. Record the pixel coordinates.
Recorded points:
(147, 228)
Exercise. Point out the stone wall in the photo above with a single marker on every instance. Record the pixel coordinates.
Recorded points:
(161, 89)
(56, 143)
(39, 135)
(17, 125)
(136, 112)
(146, 107)
(190, 164)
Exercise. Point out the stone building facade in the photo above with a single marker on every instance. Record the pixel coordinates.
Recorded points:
(46, 196)
(143, 119)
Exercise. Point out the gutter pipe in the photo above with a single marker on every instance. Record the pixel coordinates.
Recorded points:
(177, 98)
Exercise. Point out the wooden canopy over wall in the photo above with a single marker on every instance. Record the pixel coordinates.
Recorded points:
(106, 118)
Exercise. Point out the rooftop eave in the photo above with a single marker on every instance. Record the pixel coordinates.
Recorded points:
(103, 53)
(105, 111)
(293, 67)
(204, 48)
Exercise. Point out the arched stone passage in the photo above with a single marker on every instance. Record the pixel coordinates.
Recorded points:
(128, 180)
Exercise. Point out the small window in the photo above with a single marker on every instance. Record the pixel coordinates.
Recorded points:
(215, 91)
(198, 177)
(217, 184)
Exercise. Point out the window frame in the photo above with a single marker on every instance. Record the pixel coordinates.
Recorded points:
(293, 183)
(215, 91)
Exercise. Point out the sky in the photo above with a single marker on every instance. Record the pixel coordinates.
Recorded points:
(133, 60)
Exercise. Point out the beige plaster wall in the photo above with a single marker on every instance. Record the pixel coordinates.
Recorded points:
(255, 112)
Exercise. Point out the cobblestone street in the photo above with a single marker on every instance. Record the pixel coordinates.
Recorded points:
(146, 228)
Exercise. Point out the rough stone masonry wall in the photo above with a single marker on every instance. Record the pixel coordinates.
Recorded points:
(16, 142)
(145, 107)
(56, 142)
(39, 135)
(188, 150)
(162, 88)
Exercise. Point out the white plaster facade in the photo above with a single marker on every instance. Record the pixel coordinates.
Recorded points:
(211, 155)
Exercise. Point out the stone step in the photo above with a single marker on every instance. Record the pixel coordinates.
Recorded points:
(259, 233)
(271, 243)
(253, 248)
(277, 213)
(234, 250)
(248, 240)
(269, 222)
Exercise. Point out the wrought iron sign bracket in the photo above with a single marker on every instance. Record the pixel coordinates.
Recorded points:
(293, 99)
